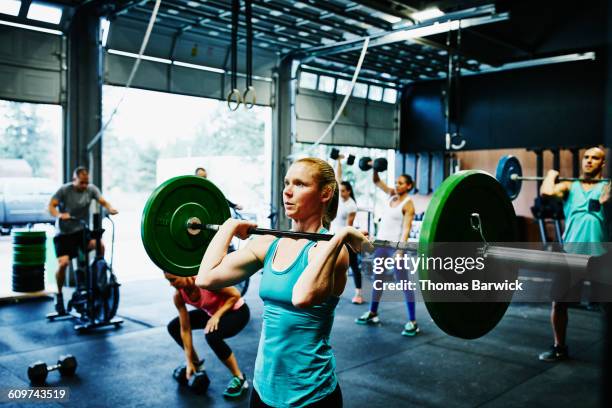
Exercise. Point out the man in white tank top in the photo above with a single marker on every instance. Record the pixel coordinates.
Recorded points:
(395, 225)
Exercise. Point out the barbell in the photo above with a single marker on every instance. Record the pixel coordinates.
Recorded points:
(509, 173)
(470, 207)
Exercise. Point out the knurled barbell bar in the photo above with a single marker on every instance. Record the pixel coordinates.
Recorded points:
(509, 173)
(182, 215)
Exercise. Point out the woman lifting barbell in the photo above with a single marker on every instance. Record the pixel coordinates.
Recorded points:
(221, 313)
(395, 225)
(301, 284)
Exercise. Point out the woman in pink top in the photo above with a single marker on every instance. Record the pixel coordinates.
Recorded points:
(221, 313)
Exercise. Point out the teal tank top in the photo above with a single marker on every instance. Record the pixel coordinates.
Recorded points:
(295, 365)
(584, 229)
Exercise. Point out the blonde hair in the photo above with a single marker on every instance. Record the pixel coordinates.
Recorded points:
(325, 178)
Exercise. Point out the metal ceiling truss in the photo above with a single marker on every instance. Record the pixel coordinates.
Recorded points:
(325, 34)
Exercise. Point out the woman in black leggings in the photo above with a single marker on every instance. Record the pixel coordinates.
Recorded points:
(221, 313)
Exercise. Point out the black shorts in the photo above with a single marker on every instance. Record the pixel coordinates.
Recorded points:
(69, 244)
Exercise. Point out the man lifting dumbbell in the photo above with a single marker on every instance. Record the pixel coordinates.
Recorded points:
(395, 226)
(584, 223)
(70, 205)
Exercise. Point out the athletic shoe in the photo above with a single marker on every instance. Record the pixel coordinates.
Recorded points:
(59, 305)
(411, 329)
(200, 365)
(368, 318)
(556, 353)
(357, 300)
(236, 387)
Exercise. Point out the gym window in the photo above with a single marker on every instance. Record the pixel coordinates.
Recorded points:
(360, 90)
(45, 12)
(326, 84)
(376, 93)
(308, 80)
(10, 7)
(390, 95)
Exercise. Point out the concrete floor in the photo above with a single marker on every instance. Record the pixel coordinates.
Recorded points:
(132, 366)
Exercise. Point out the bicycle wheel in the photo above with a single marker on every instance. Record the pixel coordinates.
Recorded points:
(106, 292)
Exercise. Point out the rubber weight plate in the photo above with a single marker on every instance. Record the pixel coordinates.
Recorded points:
(164, 222)
(29, 234)
(29, 240)
(447, 220)
(506, 167)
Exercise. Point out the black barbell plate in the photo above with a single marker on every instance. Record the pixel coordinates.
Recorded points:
(506, 167)
(164, 222)
(447, 220)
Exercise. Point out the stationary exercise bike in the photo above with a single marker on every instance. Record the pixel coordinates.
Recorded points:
(95, 299)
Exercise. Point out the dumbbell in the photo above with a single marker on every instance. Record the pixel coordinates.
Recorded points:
(335, 154)
(366, 163)
(199, 381)
(37, 372)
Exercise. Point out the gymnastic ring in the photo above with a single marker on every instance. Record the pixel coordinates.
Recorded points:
(238, 101)
(249, 91)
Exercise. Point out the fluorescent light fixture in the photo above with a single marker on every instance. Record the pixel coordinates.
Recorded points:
(144, 57)
(389, 18)
(427, 14)
(104, 28)
(541, 61)
(10, 7)
(45, 12)
(30, 27)
(200, 67)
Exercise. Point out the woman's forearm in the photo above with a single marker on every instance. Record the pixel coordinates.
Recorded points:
(228, 305)
(187, 343)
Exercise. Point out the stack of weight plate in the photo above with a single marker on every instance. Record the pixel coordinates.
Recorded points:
(29, 261)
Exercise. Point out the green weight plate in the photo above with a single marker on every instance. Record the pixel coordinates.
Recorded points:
(447, 220)
(29, 263)
(21, 261)
(28, 255)
(29, 240)
(29, 248)
(29, 234)
(164, 222)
